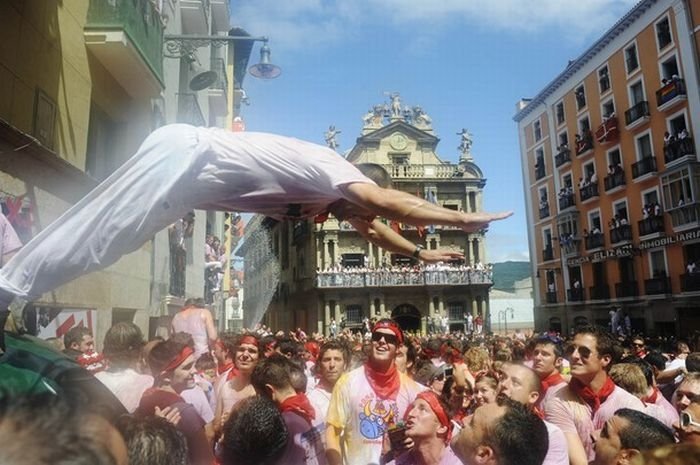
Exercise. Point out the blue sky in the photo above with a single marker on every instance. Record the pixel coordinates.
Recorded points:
(465, 62)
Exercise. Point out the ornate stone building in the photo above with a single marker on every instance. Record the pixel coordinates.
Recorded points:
(328, 271)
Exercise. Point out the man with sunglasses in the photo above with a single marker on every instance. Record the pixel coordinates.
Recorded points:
(591, 398)
(366, 400)
(688, 426)
(639, 347)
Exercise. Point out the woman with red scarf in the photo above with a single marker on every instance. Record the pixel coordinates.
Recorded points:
(172, 365)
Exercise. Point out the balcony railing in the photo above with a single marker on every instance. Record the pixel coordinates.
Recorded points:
(621, 233)
(674, 88)
(614, 180)
(391, 278)
(566, 201)
(188, 110)
(575, 294)
(638, 111)
(218, 92)
(595, 241)
(570, 247)
(584, 143)
(678, 148)
(400, 171)
(563, 157)
(548, 254)
(690, 282)
(140, 22)
(601, 292)
(685, 215)
(644, 166)
(544, 212)
(607, 132)
(657, 286)
(540, 171)
(626, 289)
(551, 297)
(651, 225)
(219, 66)
(589, 191)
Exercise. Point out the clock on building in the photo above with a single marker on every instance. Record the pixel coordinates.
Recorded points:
(398, 141)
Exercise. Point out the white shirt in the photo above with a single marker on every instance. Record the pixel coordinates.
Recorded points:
(128, 386)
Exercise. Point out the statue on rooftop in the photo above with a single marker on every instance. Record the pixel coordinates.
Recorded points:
(330, 137)
(465, 145)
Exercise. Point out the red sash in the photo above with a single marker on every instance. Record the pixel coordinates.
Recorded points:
(300, 405)
(385, 385)
(593, 399)
(551, 380)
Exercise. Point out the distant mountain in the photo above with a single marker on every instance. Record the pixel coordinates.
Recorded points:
(506, 274)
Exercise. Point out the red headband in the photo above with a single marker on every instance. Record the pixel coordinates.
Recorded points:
(220, 344)
(247, 339)
(392, 326)
(432, 400)
(175, 362)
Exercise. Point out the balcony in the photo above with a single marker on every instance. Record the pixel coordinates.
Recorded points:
(637, 115)
(584, 143)
(570, 246)
(563, 157)
(678, 149)
(218, 92)
(575, 295)
(599, 292)
(626, 289)
(544, 211)
(595, 241)
(220, 16)
(615, 180)
(390, 278)
(405, 171)
(656, 286)
(690, 282)
(551, 297)
(670, 94)
(651, 225)
(548, 254)
(607, 132)
(567, 201)
(685, 216)
(646, 165)
(195, 16)
(126, 37)
(621, 233)
(540, 171)
(589, 191)
(188, 110)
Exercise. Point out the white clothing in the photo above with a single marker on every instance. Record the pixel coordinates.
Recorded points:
(558, 451)
(177, 169)
(9, 241)
(198, 399)
(320, 399)
(128, 386)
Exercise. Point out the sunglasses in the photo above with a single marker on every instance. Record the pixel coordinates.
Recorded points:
(584, 352)
(637, 344)
(686, 420)
(388, 338)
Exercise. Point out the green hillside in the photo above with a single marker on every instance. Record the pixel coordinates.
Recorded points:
(506, 274)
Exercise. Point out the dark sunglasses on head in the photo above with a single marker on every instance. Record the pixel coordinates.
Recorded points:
(686, 420)
(637, 344)
(584, 352)
(388, 338)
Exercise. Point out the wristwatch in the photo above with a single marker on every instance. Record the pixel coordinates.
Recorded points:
(416, 253)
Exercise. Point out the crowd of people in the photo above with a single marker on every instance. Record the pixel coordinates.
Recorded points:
(396, 275)
(382, 396)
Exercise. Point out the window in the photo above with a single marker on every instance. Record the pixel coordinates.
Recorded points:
(650, 197)
(637, 93)
(669, 68)
(353, 314)
(584, 125)
(566, 180)
(603, 79)
(614, 158)
(608, 108)
(620, 209)
(543, 195)
(644, 147)
(594, 221)
(580, 94)
(537, 128)
(677, 189)
(631, 61)
(663, 33)
(560, 113)
(589, 171)
(676, 125)
(657, 260)
(563, 139)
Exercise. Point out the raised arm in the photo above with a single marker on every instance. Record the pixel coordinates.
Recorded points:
(407, 208)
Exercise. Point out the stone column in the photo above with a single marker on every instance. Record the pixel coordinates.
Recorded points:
(370, 253)
(326, 261)
(431, 306)
(475, 309)
(372, 308)
(382, 308)
(336, 312)
(327, 316)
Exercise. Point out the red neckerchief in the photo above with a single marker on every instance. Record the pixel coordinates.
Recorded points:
(551, 380)
(385, 385)
(155, 397)
(300, 405)
(593, 399)
(538, 412)
(221, 369)
(651, 398)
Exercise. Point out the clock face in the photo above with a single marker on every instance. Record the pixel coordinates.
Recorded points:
(398, 141)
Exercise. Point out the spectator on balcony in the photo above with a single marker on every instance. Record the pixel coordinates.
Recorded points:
(623, 221)
(668, 138)
(683, 134)
(596, 231)
(690, 268)
(594, 178)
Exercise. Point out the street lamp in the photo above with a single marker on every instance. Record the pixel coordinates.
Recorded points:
(185, 46)
(504, 314)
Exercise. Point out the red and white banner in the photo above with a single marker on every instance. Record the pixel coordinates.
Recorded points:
(57, 322)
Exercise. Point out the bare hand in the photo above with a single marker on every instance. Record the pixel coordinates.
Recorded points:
(171, 414)
(439, 255)
(474, 222)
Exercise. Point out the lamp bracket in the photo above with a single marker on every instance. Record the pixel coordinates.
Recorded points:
(185, 46)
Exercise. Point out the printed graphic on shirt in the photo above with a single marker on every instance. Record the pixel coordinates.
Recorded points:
(375, 415)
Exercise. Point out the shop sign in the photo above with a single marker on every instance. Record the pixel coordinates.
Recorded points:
(669, 240)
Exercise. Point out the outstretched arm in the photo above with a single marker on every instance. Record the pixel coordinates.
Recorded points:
(382, 235)
(407, 208)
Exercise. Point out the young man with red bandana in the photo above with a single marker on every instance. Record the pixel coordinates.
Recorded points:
(271, 378)
(368, 399)
(547, 358)
(172, 365)
(591, 398)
